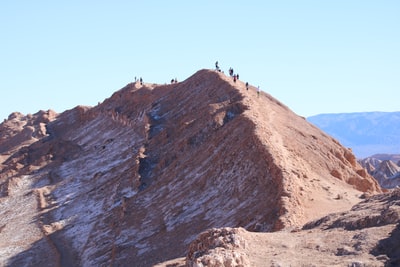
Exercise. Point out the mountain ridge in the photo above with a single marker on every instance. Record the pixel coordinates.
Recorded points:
(384, 169)
(155, 165)
(366, 133)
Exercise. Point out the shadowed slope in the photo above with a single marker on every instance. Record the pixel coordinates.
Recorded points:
(137, 177)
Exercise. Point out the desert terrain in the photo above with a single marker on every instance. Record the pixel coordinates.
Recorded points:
(143, 178)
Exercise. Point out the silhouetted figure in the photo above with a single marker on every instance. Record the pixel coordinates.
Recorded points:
(258, 91)
(141, 81)
(234, 78)
(216, 66)
(237, 76)
(247, 86)
(231, 72)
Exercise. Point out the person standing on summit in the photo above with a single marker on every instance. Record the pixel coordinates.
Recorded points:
(216, 66)
(231, 72)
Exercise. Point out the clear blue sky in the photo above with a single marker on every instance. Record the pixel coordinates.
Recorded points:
(314, 56)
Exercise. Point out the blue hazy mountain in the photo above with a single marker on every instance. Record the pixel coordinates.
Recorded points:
(366, 133)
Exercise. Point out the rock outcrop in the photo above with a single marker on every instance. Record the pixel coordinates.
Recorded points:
(222, 247)
(367, 235)
(138, 177)
(383, 169)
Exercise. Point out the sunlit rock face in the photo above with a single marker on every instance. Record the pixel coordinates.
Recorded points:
(136, 178)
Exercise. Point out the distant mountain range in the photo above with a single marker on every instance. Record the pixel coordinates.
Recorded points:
(366, 133)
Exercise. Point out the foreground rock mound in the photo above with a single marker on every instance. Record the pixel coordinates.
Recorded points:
(376, 211)
(224, 247)
(138, 177)
(359, 237)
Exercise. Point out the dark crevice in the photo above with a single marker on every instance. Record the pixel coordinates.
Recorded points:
(147, 162)
(146, 166)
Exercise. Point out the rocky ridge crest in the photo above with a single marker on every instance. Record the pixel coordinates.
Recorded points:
(156, 165)
(384, 169)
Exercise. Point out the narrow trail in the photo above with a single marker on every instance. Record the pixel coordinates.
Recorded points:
(257, 103)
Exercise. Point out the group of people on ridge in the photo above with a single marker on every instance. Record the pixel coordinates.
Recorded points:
(236, 77)
(231, 73)
(140, 80)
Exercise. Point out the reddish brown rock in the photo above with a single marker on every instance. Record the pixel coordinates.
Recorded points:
(383, 169)
(366, 235)
(138, 177)
(223, 247)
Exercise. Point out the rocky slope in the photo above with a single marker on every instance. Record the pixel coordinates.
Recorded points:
(138, 177)
(384, 169)
(367, 235)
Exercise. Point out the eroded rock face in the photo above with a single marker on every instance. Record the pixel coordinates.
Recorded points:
(375, 211)
(138, 177)
(366, 235)
(21, 130)
(384, 169)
